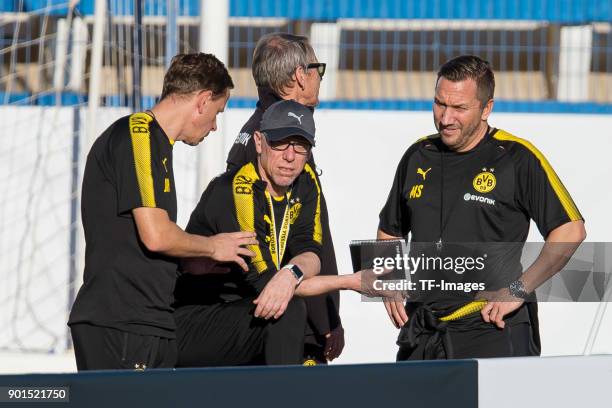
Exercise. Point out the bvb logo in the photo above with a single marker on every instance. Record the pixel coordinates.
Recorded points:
(310, 363)
(484, 182)
(294, 212)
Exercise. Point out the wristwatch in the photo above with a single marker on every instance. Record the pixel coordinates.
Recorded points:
(297, 272)
(517, 289)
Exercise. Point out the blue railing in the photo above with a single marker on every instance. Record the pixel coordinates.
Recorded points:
(557, 11)
(72, 99)
(560, 11)
(377, 51)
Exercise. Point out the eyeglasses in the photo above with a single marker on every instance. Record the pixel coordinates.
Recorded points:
(320, 67)
(298, 147)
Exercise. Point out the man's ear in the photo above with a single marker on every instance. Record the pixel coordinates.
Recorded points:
(202, 98)
(300, 77)
(487, 110)
(257, 137)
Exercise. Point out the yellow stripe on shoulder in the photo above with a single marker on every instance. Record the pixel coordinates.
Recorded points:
(317, 234)
(558, 187)
(141, 145)
(242, 190)
(428, 137)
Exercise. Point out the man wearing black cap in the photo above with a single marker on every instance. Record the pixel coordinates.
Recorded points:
(227, 317)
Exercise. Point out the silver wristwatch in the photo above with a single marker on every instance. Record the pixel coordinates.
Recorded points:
(297, 272)
(517, 289)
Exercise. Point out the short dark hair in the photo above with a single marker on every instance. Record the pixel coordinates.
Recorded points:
(470, 67)
(195, 72)
(276, 57)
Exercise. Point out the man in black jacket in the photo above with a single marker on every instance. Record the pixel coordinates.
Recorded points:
(285, 67)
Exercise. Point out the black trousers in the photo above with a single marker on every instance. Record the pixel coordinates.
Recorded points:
(105, 348)
(228, 334)
(512, 341)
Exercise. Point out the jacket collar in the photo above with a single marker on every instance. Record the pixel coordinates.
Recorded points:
(267, 97)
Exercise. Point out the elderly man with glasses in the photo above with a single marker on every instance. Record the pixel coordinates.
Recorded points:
(227, 317)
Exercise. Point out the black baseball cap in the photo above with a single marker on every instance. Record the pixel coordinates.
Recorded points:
(288, 118)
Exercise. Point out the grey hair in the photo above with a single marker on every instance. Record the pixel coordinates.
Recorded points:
(276, 57)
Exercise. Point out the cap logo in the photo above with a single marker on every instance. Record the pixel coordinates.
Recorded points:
(299, 118)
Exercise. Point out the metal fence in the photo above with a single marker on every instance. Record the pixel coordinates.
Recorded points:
(385, 52)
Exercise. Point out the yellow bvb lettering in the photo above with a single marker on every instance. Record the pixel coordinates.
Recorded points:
(243, 190)
(294, 212)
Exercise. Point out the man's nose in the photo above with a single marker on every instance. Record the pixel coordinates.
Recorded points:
(289, 153)
(447, 116)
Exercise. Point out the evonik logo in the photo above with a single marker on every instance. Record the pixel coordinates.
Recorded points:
(480, 199)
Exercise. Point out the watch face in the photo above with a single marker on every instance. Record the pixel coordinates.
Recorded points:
(297, 271)
(517, 289)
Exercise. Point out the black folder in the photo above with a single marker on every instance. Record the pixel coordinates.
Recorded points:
(363, 253)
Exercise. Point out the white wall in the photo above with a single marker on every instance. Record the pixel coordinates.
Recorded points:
(358, 152)
(560, 382)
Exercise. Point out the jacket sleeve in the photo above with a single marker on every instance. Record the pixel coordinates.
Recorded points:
(323, 310)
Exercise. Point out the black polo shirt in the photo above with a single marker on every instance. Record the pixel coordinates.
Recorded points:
(125, 286)
(484, 197)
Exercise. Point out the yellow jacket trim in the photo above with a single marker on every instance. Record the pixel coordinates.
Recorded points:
(242, 190)
(141, 145)
(555, 182)
(317, 234)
